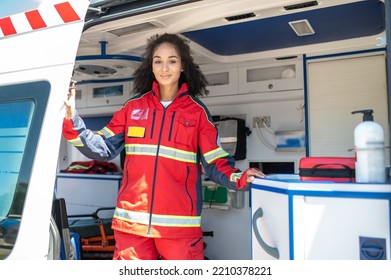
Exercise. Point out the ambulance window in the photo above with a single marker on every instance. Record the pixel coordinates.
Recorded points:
(22, 108)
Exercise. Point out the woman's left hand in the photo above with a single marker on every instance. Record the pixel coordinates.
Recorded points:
(253, 173)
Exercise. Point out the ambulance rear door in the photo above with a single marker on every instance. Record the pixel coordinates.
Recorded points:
(38, 45)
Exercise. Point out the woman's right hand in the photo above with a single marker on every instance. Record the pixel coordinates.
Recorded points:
(70, 103)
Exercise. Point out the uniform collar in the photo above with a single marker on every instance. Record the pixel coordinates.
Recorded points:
(183, 90)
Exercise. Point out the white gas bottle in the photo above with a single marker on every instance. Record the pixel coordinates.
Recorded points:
(369, 150)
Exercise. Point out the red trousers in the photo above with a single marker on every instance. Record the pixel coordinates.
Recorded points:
(134, 247)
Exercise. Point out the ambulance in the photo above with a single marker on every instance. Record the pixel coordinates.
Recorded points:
(288, 74)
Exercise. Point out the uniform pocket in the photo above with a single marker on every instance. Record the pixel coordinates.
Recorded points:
(196, 249)
(186, 130)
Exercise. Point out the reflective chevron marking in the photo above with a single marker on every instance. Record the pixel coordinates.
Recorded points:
(43, 17)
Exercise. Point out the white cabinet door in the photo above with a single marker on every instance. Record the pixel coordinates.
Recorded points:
(222, 81)
(110, 94)
(336, 87)
(271, 78)
(84, 194)
(270, 226)
(338, 228)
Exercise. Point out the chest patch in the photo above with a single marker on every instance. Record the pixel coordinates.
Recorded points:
(136, 131)
(139, 114)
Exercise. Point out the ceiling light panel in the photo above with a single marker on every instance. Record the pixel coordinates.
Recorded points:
(302, 27)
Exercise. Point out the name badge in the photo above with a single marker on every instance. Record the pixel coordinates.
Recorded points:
(136, 131)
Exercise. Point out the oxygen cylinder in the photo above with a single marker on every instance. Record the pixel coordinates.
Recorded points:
(369, 150)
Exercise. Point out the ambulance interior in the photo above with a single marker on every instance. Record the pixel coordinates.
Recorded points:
(255, 55)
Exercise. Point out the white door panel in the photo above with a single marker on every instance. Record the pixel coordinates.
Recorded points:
(39, 45)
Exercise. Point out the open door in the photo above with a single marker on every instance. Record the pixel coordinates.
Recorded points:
(38, 45)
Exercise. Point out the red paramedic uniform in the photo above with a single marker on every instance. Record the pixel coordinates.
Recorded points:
(166, 148)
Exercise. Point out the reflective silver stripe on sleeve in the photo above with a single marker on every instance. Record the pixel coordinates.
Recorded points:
(215, 154)
(76, 142)
(106, 132)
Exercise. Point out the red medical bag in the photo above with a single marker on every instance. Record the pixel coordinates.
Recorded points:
(335, 169)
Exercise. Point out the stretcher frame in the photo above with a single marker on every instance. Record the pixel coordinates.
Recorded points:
(103, 242)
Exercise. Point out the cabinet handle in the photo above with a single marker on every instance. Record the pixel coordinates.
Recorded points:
(268, 249)
(372, 252)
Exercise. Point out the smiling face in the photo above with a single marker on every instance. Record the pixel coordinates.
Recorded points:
(167, 66)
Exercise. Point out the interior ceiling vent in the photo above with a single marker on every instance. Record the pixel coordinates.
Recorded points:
(95, 70)
(301, 5)
(240, 17)
(302, 27)
(132, 29)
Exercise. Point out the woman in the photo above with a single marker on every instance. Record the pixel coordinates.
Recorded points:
(168, 134)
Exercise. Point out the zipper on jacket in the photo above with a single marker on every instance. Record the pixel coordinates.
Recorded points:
(171, 126)
(187, 190)
(153, 123)
(154, 174)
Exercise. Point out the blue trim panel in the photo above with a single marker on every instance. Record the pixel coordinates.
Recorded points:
(325, 193)
(305, 89)
(291, 231)
(330, 24)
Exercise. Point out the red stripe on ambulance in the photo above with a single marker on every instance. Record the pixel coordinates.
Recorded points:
(35, 19)
(66, 12)
(7, 27)
(17, 24)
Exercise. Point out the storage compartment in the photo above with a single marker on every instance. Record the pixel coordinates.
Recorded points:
(223, 81)
(108, 94)
(215, 196)
(76, 189)
(219, 197)
(218, 194)
(272, 77)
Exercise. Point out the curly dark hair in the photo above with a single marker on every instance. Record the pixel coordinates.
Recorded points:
(191, 74)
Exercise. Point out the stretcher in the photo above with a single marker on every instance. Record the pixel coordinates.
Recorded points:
(96, 235)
